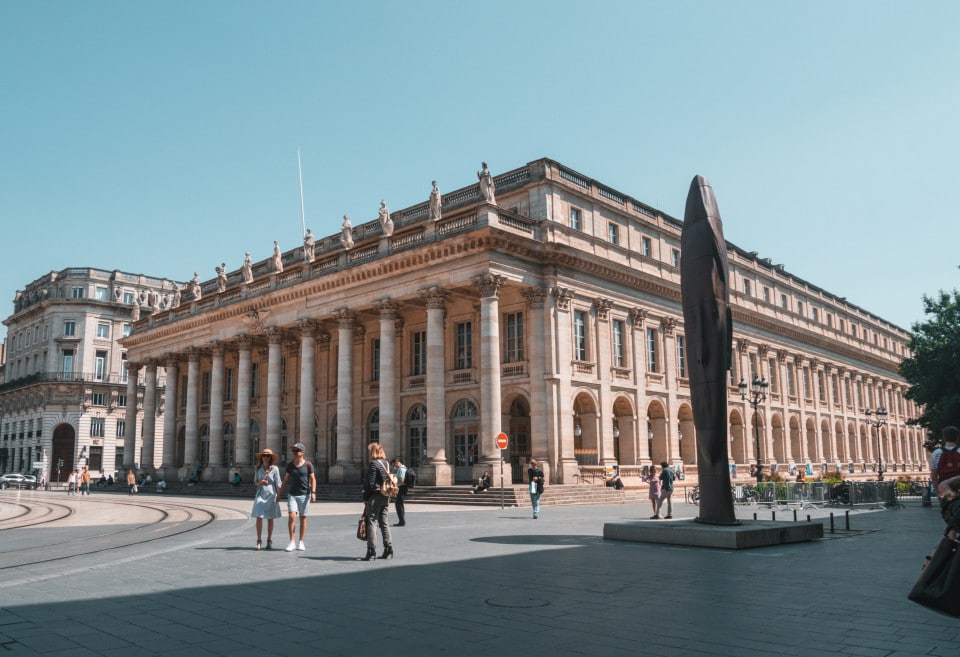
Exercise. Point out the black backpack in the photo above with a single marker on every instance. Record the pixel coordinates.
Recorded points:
(410, 478)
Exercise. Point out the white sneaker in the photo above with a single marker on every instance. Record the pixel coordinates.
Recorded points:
(301, 546)
(291, 547)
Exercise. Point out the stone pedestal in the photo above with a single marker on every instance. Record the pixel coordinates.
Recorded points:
(569, 472)
(217, 473)
(435, 474)
(345, 473)
(748, 534)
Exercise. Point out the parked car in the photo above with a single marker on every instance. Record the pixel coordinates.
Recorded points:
(16, 480)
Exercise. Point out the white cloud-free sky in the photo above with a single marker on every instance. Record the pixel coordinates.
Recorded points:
(160, 137)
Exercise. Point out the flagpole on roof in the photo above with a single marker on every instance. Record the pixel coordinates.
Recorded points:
(303, 220)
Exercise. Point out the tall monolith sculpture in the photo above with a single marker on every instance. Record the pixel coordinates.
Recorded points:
(704, 285)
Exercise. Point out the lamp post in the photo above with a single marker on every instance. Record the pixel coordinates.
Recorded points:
(881, 419)
(758, 393)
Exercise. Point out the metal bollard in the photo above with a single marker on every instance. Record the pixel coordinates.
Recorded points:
(808, 517)
(773, 516)
(847, 514)
(794, 515)
(754, 515)
(831, 523)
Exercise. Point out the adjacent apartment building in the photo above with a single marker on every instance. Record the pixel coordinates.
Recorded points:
(66, 400)
(539, 303)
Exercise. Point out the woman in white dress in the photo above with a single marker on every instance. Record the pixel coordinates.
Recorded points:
(265, 504)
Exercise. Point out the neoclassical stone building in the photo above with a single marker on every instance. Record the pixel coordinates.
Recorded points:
(546, 306)
(66, 391)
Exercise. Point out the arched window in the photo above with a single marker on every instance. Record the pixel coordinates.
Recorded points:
(229, 442)
(205, 444)
(373, 426)
(417, 436)
(254, 440)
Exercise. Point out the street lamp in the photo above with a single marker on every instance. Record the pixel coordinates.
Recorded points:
(758, 393)
(881, 415)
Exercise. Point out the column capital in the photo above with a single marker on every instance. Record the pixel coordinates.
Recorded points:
(151, 362)
(398, 327)
(798, 360)
(638, 316)
(436, 297)
(244, 342)
(217, 348)
(763, 350)
(742, 345)
(488, 285)
(603, 308)
(782, 356)
(668, 324)
(307, 327)
(563, 296)
(535, 296)
(388, 308)
(274, 336)
(323, 341)
(345, 317)
(193, 354)
(132, 366)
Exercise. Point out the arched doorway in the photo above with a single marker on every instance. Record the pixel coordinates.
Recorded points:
(686, 435)
(624, 434)
(657, 441)
(417, 436)
(466, 441)
(738, 440)
(519, 436)
(585, 439)
(61, 462)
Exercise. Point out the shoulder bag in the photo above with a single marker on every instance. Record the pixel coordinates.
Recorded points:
(389, 487)
(938, 587)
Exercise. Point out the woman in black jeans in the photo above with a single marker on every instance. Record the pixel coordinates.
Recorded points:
(377, 506)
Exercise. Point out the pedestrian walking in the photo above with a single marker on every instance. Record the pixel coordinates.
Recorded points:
(131, 482)
(535, 476)
(72, 482)
(400, 470)
(300, 484)
(666, 477)
(266, 502)
(945, 461)
(85, 481)
(653, 494)
(377, 504)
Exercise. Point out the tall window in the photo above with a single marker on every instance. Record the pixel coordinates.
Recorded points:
(128, 297)
(791, 385)
(514, 350)
(766, 294)
(783, 302)
(675, 257)
(69, 328)
(417, 436)
(124, 374)
(772, 368)
(66, 362)
(102, 294)
(754, 374)
(96, 427)
(807, 392)
(103, 330)
(76, 293)
(373, 426)
(96, 458)
(229, 443)
(746, 286)
(579, 335)
(821, 388)
(681, 357)
(100, 365)
(205, 388)
(121, 401)
(127, 329)
(652, 356)
(576, 219)
(646, 247)
(98, 399)
(617, 332)
(419, 365)
(464, 358)
(228, 384)
(613, 233)
(254, 379)
(375, 360)
(121, 428)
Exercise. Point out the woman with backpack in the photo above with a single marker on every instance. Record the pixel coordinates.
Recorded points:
(377, 505)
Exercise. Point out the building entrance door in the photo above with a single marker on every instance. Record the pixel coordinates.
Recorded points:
(519, 441)
(64, 441)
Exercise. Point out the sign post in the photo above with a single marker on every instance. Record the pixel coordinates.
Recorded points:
(502, 444)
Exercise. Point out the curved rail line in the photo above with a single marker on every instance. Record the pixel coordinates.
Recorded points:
(49, 508)
(195, 519)
(26, 512)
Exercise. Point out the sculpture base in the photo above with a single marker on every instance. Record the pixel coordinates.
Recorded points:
(748, 534)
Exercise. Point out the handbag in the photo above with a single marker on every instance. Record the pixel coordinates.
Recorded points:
(533, 487)
(362, 527)
(938, 587)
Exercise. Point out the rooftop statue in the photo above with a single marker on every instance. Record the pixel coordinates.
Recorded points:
(247, 270)
(309, 247)
(176, 295)
(487, 188)
(704, 288)
(346, 233)
(221, 277)
(195, 289)
(386, 223)
(277, 257)
(436, 203)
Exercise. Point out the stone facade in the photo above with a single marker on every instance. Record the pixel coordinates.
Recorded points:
(67, 396)
(553, 316)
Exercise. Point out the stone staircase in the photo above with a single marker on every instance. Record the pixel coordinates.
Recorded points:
(513, 496)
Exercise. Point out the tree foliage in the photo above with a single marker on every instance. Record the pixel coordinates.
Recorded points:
(933, 371)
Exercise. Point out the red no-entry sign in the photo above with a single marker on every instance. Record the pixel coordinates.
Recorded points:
(502, 440)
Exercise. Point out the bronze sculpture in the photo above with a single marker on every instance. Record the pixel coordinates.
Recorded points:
(704, 286)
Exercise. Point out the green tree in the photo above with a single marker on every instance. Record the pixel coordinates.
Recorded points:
(933, 371)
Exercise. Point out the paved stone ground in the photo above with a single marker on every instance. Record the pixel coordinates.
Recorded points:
(465, 581)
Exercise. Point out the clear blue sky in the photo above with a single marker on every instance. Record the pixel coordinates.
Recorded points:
(160, 137)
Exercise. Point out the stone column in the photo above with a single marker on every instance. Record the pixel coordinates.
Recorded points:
(569, 467)
(638, 318)
(308, 397)
(601, 347)
(347, 467)
(242, 454)
(274, 385)
(491, 413)
(669, 350)
(191, 447)
(130, 418)
(149, 427)
(438, 470)
(169, 465)
(388, 377)
(542, 428)
(216, 471)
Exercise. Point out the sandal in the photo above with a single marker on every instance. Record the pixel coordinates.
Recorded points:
(269, 545)
(258, 546)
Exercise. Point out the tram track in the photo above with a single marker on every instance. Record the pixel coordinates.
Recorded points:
(174, 520)
(53, 512)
